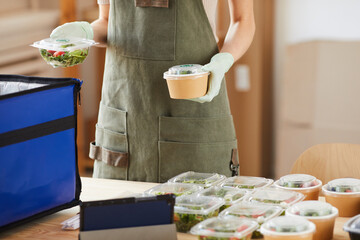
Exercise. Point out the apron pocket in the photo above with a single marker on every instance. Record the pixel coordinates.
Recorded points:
(178, 157)
(144, 33)
(112, 119)
(198, 130)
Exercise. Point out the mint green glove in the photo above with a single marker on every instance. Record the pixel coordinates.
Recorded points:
(220, 63)
(73, 29)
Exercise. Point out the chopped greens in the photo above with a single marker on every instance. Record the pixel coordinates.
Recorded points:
(185, 221)
(64, 59)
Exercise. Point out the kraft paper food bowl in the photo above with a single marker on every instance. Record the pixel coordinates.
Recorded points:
(288, 228)
(187, 81)
(322, 214)
(344, 194)
(302, 183)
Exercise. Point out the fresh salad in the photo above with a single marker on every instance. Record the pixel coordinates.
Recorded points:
(185, 221)
(64, 58)
(298, 184)
(313, 213)
(341, 189)
(283, 229)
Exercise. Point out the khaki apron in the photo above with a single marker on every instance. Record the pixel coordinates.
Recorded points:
(142, 134)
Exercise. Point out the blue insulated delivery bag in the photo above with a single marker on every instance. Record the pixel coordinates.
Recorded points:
(38, 152)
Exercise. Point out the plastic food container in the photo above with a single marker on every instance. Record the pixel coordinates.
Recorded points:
(303, 183)
(279, 197)
(289, 228)
(203, 179)
(353, 227)
(177, 189)
(256, 212)
(344, 194)
(322, 214)
(230, 195)
(192, 209)
(227, 228)
(245, 182)
(64, 52)
(186, 81)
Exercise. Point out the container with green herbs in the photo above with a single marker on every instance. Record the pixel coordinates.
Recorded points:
(245, 182)
(253, 211)
(64, 52)
(192, 209)
(226, 228)
(230, 195)
(204, 180)
(177, 189)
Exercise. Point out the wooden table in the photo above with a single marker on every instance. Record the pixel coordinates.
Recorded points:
(96, 189)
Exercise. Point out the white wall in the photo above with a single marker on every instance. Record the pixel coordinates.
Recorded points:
(306, 20)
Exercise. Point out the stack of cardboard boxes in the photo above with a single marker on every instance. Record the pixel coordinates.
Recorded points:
(320, 100)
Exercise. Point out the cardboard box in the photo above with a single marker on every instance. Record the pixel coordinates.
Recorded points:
(292, 141)
(321, 85)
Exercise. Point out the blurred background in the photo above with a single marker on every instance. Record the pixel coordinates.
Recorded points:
(297, 86)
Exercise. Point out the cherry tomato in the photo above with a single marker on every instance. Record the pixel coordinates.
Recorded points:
(51, 52)
(58, 53)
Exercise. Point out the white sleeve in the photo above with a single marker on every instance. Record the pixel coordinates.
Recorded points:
(103, 1)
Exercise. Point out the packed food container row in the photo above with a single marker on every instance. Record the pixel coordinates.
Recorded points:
(215, 207)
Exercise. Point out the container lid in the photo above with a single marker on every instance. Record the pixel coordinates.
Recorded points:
(203, 179)
(177, 189)
(258, 212)
(311, 209)
(230, 195)
(286, 225)
(247, 182)
(274, 196)
(65, 45)
(226, 227)
(297, 181)
(353, 225)
(344, 185)
(194, 204)
(185, 69)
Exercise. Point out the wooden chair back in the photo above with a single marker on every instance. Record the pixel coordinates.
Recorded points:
(330, 161)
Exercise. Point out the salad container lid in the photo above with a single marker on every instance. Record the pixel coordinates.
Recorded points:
(344, 185)
(353, 225)
(194, 204)
(203, 179)
(282, 198)
(258, 212)
(225, 227)
(297, 181)
(286, 225)
(247, 182)
(186, 69)
(230, 195)
(177, 189)
(312, 209)
(62, 44)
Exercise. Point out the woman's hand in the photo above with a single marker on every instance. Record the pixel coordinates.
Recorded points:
(100, 26)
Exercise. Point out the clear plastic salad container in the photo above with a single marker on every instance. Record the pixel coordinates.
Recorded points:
(286, 227)
(247, 182)
(257, 212)
(322, 214)
(192, 209)
(303, 183)
(64, 52)
(226, 228)
(353, 227)
(279, 197)
(230, 195)
(203, 179)
(177, 189)
(344, 194)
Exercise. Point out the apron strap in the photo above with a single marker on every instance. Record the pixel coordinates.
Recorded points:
(152, 3)
(112, 158)
(234, 162)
